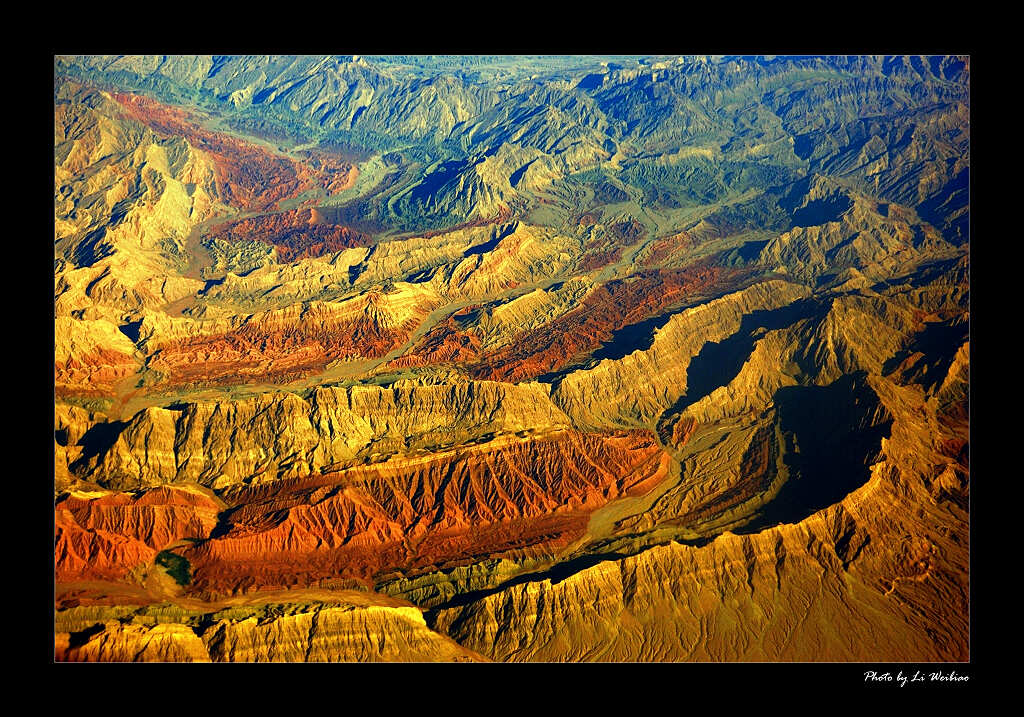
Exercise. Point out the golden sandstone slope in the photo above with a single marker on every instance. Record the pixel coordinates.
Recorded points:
(296, 441)
(337, 626)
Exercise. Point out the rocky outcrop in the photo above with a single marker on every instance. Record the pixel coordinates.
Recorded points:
(70, 425)
(834, 229)
(282, 435)
(296, 234)
(407, 512)
(333, 631)
(90, 357)
(125, 202)
(283, 344)
(109, 534)
(520, 255)
(335, 634)
(644, 360)
(413, 512)
(115, 642)
(469, 332)
(611, 392)
(608, 308)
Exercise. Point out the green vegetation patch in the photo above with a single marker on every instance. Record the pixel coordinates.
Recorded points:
(177, 567)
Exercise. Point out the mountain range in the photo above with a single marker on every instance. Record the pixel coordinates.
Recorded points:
(512, 358)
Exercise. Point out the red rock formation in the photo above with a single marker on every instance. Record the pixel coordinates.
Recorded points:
(248, 176)
(445, 343)
(607, 248)
(596, 259)
(334, 173)
(276, 351)
(610, 307)
(105, 537)
(296, 234)
(96, 554)
(413, 513)
(92, 374)
(627, 232)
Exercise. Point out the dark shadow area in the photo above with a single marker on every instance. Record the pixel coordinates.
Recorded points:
(433, 182)
(224, 523)
(833, 434)
(87, 252)
(98, 439)
(590, 82)
(210, 283)
(805, 212)
(356, 269)
(488, 245)
(821, 211)
(805, 144)
(513, 179)
(719, 363)
(638, 336)
(744, 255)
(952, 198)
(131, 330)
(939, 343)
(926, 274)
(77, 639)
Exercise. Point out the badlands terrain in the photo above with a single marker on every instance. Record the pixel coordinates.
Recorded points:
(560, 359)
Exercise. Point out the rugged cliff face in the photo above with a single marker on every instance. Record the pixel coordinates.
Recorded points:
(515, 359)
(858, 580)
(359, 630)
(281, 435)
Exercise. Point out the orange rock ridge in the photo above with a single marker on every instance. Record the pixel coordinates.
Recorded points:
(412, 513)
(105, 537)
(444, 343)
